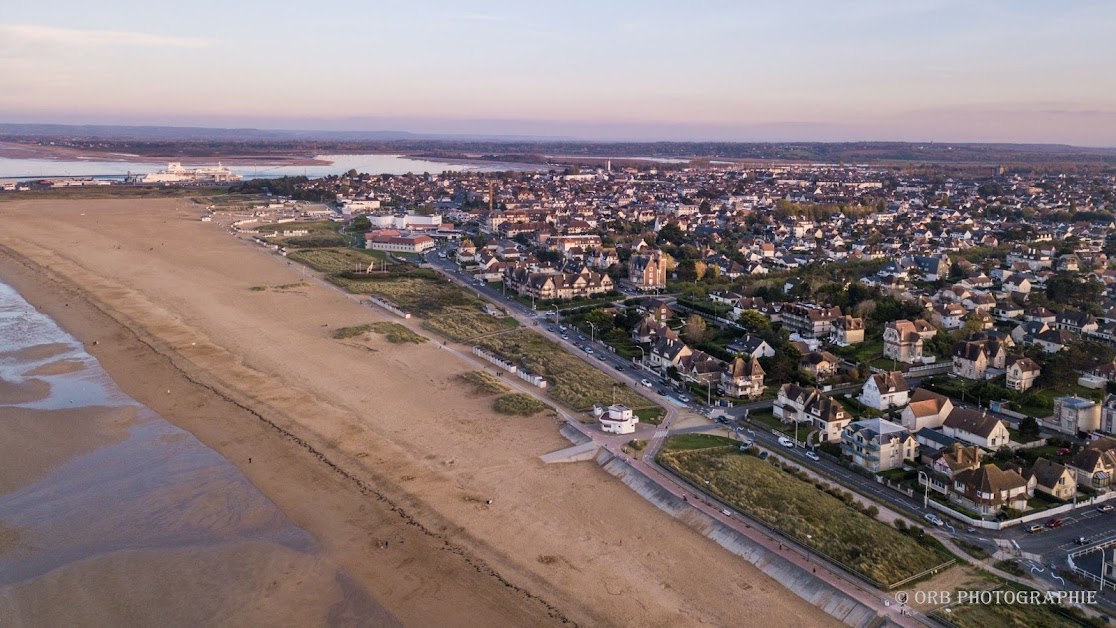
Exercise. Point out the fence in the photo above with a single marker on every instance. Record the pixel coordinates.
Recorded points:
(1092, 577)
(389, 306)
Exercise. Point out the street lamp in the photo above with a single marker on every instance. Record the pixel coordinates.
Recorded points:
(555, 313)
(642, 355)
(808, 539)
(592, 336)
(925, 479)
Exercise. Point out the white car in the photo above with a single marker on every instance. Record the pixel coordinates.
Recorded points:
(813, 456)
(588, 349)
(726, 512)
(786, 442)
(646, 383)
(934, 519)
(683, 398)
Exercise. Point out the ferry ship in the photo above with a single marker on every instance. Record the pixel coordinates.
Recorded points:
(175, 173)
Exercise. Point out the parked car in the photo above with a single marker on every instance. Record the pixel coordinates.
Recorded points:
(588, 349)
(1081, 540)
(683, 398)
(646, 383)
(813, 456)
(565, 337)
(1054, 523)
(660, 391)
(1036, 528)
(726, 512)
(763, 455)
(934, 519)
(786, 442)
(1064, 451)
(1106, 508)
(600, 356)
(619, 367)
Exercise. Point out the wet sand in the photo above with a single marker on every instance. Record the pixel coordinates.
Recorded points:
(362, 448)
(23, 392)
(35, 442)
(59, 367)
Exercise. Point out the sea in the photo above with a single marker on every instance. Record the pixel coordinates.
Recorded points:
(25, 169)
(157, 488)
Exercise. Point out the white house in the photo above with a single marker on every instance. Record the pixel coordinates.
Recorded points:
(885, 390)
(618, 420)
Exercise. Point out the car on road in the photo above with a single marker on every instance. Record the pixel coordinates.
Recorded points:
(683, 398)
(1036, 528)
(763, 455)
(726, 512)
(813, 456)
(646, 383)
(1105, 508)
(1082, 540)
(601, 357)
(588, 349)
(786, 442)
(660, 391)
(934, 519)
(565, 337)
(619, 367)
(550, 327)
(1055, 523)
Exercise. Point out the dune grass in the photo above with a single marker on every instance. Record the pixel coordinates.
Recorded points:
(518, 404)
(483, 383)
(800, 510)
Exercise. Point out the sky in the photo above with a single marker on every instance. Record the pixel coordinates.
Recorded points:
(792, 70)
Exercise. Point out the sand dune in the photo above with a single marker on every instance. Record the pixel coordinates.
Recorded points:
(362, 448)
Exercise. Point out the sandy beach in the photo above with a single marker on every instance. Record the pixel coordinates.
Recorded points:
(383, 457)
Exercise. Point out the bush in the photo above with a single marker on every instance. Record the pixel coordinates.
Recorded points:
(518, 404)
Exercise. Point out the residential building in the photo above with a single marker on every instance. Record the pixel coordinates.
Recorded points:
(398, 243)
(847, 331)
(926, 410)
(1052, 478)
(550, 286)
(1021, 372)
(903, 340)
(1095, 464)
(1073, 414)
(989, 489)
(884, 391)
(752, 346)
(878, 444)
(742, 378)
(809, 320)
(648, 271)
(1108, 415)
(820, 364)
(976, 428)
(978, 359)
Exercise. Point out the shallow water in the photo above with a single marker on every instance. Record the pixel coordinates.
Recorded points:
(159, 488)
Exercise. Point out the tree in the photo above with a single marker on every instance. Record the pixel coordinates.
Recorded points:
(695, 329)
(699, 270)
(671, 233)
(1029, 427)
(754, 322)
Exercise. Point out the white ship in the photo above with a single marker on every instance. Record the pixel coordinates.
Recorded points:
(175, 173)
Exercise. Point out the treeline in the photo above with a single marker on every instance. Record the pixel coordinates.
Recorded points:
(282, 186)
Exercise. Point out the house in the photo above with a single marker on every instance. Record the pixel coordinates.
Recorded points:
(1075, 322)
(752, 346)
(1021, 372)
(1053, 340)
(1095, 464)
(742, 378)
(550, 286)
(791, 401)
(956, 459)
(976, 428)
(820, 364)
(926, 410)
(618, 420)
(948, 315)
(884, 391)
(700, 367)
(1053, 479)
(648, 271)
(847, 331)
(878, 444)
(668, 352)
(649, 330)
(988, 489)
(976, 359)
(1073, 414)
(1108, 415)
(795, 404)
(903, 340)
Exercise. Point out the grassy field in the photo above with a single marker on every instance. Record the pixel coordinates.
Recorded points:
(686, 442)
(337, 260)
(518, 404)
(483, 383)
(114, 191)
(1011, 615)
(575, 383)
(800, 510)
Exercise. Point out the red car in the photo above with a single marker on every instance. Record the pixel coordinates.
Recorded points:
(1064, 451)
(1054, 523)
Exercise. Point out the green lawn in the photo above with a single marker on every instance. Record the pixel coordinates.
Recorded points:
(801, 511)
(686, 442)
(654, 416)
